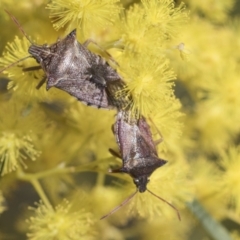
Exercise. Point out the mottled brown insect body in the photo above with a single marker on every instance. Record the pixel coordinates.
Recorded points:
(71, 67)
(138, 151)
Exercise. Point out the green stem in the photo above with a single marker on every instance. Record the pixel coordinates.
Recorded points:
(34, 180)
(100, 179)
(214, 228)
(53, 171)
(30, 176)
(41, 193)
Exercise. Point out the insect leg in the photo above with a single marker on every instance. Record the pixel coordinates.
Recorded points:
(33, 68)
(41, 82)
(114, 153)
(158, 131)
(87, 42)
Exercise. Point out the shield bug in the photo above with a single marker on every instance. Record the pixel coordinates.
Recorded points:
(138, 153)
(68, 65)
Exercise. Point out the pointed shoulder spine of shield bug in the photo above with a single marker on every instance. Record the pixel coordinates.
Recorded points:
(138, 153)
(68, 65)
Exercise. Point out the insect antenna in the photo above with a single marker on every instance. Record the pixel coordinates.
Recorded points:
(178, 214)
(119, 206)
(15, 63)
(19, 26)
(24, 33)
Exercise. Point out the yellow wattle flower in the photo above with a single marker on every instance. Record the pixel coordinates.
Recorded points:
(83, 14)
(60, 223)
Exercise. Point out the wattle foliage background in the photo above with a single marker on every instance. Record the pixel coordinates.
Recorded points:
(181, 64)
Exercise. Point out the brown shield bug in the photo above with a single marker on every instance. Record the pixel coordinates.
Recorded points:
(138, 153)
(71, 67)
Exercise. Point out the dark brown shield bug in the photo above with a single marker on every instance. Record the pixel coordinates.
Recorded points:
(138, 153)
(71, 67)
